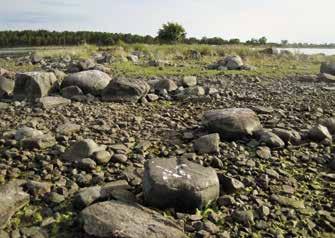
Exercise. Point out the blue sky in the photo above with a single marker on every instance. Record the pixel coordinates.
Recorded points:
(294, 20)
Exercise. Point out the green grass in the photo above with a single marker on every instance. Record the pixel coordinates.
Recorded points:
(180, 56)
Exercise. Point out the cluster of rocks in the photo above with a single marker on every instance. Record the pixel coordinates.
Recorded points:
(234, 62)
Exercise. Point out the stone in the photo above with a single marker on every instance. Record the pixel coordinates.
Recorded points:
(288, 136)
(133, 58)
(68, 129)
(319, 133)
(53, 101)
(288, 201)
(330, 124)
(152, 97)
(87, 64)
(180, 184)
(34, 85)
(71, 91)
(229, 184)
(328, 68)
(270, 139)
(119, 158)
(328, 78)
(102, 157)
(86, 164)
(128, 220)
(30, 138)
(12, 199)
(244, 217)
(232, 123)
(125, 90)
(27, 132)
(6, 86)
(91, 81)
(194, 91)
(231, 62)
(263, 152)
(167, 84)
(87, 196)
(81, 149)
(35, 59)
(207, 144)
(189, 81)
(38, 188)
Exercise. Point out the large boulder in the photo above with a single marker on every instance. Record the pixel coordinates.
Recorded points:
(232, 123)
(34, 85)
(328, 68)
(180, 184)
(12, 199)
(125, 90)
(6, 86)
(91, 81)
(120, 219)
(231, 62)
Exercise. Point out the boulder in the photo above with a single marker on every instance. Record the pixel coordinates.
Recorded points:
(34, 85)
(91, 81)
(53, 101)
(328, 68)
(129, 220)
(12, 199)
(207, 144)
(180, 184)
(81, 149)
(319, 133)
(6, 86)
(288, 136)
(231, 62)
(330, 124)
(125, 90)
(71, 91)
(232, 123)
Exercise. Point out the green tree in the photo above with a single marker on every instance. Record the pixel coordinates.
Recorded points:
(262, 40)
(171, 33)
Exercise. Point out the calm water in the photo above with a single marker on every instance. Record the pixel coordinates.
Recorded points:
(310, 51)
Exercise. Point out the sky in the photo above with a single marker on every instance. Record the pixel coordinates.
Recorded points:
(308, 21)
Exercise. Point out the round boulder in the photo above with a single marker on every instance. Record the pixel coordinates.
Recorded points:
(180, 184)
(91, 81)
(232, 123)
(125, 90)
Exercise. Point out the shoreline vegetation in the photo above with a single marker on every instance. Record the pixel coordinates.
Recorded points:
(29, 38)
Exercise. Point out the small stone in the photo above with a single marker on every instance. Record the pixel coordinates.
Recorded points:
(87, 164)
(189, 81)
(229, 184)
(319, 133)
(102, 157)
(119, 158)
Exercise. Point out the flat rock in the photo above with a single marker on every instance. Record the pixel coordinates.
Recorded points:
(181, 184)
(53, 101)
(232, 123)
(125, 220)
(12, 199)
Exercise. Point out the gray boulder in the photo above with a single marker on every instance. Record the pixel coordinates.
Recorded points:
(270, 139)
(12, 199)
(288, 136)
(231, 62)
(6, 86)
(71, 91)
(125, 90)
(91, 81)
(328, 68)
(232, 123)
(207, 144)
(120, 219)
(180, 184)
(34, 85)
(319, 133)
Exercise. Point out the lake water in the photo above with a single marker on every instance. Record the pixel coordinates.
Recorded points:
(310, 51)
